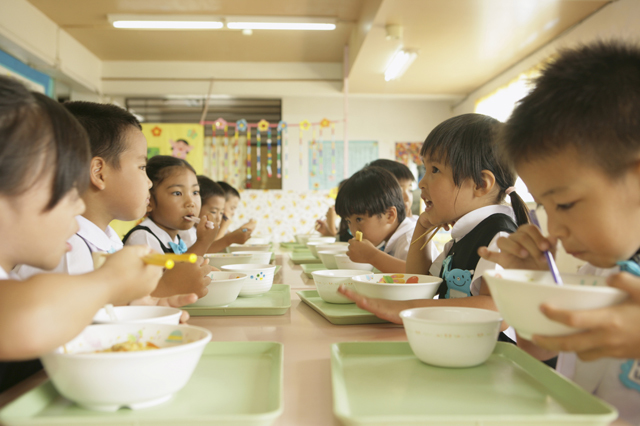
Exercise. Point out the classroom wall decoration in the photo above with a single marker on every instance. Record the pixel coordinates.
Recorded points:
(408, 152)
(30, 77)
(329, 168)
(184, 141)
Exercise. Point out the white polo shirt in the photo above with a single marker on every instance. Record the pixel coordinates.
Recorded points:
(142, 237)
(399, 242)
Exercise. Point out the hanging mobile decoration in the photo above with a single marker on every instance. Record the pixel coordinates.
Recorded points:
(236, 153)
(333, 152)
(219, 124)
(226, 153)
(304, 126)
(243, 126)
(314, 152)
(263, 126)
(282, 127)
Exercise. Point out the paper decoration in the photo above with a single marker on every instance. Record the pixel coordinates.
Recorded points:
(258, 154)
(269, 156)
(303, 126)
(236, 153)
(226, 152)
(282, 127)
(242, 125)
(325, 123)
(180, 140)
(320, 150)
(333, 152)
(263, 125)
(248, 183)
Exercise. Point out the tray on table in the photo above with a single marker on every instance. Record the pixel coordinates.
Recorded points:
(276, 301)
(303, 257)
(308, 268)
(235, 383)
(291, 245)
(339, 314)
(378, 383)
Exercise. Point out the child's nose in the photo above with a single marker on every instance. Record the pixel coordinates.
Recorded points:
(556, 228)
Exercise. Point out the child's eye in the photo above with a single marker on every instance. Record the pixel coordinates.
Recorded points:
(565, 206)
(176, 193)
(196, 192)
(359, 220)
(434, 169)
(143, 168)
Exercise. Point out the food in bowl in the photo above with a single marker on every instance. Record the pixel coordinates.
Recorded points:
(218, 260)
(131, 347)
(327, 283)
(224, 288)
(518, 294)
(451, 336)
(108, 381)
(343, 262)
(259, 278)
(140, 314)
(377, 286)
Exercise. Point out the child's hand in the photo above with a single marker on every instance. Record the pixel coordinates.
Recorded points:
(176, 301)
(251, 225)
(207, 230)
(424, 221)
(132, 277)
(322, 226)
(185, 278)
(361, 251)
(240, 235)
(610, 332)
(386, 309)
(524, 249)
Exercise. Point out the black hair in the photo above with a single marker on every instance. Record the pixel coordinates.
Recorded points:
(208, 188)
(587, 100)
(468, 144)
(399, 170)
(37, 137)
(229, 190)
(106, 126)
(160, 167)
(371, 191)
(182, 140)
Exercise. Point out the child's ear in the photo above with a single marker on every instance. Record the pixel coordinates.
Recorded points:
(96, 173)
(488, 183)
(392, 214)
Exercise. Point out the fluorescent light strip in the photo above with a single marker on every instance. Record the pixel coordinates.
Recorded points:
(169, 25)
(280, 26)
(399, 64)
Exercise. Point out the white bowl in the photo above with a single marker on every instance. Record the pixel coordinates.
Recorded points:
(257, 256)
(259, 240)
(324, 240)
(304, 238)
(140, 314)
(259, 278)
(369, 285)
(343, 262)
(224, 288)
(451, 336)
(108, 381)
(328, 256)
(218, 260)
(327, 283)
(518, 295)
(316, 246)
(249, 247)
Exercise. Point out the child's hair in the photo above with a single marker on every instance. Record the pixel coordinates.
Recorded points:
(399, 170)
(161, 167)
(208, 188)
(229, 190)
(371, 191)
(37, 137)
(589, 100)
(105, 124)
(468, 144)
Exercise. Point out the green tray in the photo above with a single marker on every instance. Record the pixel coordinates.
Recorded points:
(377, 383)
(304, 257)
(235, 383)
(291, 245)
(308, 268)
(347, 314)
(278, 267)
(276, 301)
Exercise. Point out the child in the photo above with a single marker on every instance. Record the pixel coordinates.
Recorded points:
(242, 234)
(327, 227)
(405, 179)
(465, 184)
(371, 202)
(575, 141)
(44, 164)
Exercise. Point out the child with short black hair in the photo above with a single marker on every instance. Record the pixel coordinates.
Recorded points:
(44, 167)
(575, 141)
(405, 179)
(371, 202)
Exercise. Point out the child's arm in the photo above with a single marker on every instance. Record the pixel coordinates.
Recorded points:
(365, 252)
(205, 237)
(610, 332)
(327, 227)
(524, 249)
(48, 310)
(224, 228)
(185, 278)
(176, 301)
(419, 260)
(236, 237)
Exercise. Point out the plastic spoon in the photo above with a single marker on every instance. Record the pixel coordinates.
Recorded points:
(552, 264)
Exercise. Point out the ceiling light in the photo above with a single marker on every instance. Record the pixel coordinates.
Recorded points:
(166, 22)
(399, 64)
(279, 23)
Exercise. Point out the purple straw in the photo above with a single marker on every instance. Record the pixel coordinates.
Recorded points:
(552, 264)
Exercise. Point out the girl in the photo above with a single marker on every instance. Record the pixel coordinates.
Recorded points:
(44, 164)
(463, 188)
(173, 206)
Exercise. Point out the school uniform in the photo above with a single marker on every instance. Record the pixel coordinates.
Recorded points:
(13, 372)
(614, 380)
(149, 234)
(89, 238)
(189, 236)
(399, 243)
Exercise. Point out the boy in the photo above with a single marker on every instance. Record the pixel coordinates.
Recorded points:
(575, 141)
(371, 202)
(405, 179)
(118, 189)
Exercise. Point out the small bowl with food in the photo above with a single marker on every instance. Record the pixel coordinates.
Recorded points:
(400, 286)
(109, 366)
(139, 314)
(218, 260)
(327, 283)
(259, 278)
(451, 336)
(518, 294)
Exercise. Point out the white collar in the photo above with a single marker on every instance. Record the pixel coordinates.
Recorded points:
(159, 232)
(3, 274)
(400, 231)
(466, 223)
(103, 241)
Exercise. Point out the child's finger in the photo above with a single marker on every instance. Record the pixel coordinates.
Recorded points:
(492, 256)
(184, 317)
(580, 342)
(180, 300)
(626, 282)
(519, 245)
